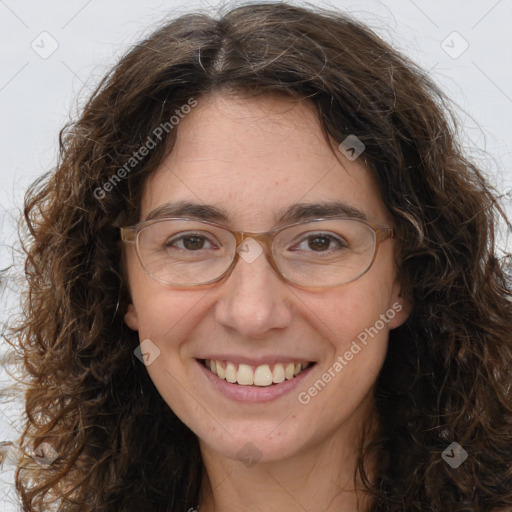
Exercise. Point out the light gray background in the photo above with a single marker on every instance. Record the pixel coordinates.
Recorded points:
(38, 92)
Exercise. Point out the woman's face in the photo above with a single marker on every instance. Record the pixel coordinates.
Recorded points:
(253, 160)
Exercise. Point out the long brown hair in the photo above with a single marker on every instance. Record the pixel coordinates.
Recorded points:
(447, 373)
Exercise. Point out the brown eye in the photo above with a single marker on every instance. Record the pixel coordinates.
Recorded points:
(193, 242)
(190, 242)
(320, 242)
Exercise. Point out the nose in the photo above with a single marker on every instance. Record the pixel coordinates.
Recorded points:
(253, 300)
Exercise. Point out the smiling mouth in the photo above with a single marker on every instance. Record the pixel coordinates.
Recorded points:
(263, 375)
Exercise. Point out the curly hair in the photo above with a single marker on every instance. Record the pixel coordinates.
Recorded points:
(446, 376)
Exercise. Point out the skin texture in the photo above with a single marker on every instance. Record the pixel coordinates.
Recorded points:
(254, 158)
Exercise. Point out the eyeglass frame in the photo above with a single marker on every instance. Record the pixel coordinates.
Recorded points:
(130, 234)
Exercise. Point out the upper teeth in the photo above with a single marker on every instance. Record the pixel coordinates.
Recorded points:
(261, 375)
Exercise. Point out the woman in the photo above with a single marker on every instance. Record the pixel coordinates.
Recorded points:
(263, 277)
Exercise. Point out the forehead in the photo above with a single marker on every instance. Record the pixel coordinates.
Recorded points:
(253, 159)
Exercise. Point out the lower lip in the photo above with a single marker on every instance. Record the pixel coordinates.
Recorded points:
(253, 394)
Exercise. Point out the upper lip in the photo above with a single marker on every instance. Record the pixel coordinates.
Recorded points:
(241, 359)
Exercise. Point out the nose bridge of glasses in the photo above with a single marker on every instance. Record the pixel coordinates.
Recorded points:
(264, 239)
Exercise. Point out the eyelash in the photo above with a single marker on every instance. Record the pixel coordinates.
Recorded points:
(305, 239)
(331, 237)
(183, 236)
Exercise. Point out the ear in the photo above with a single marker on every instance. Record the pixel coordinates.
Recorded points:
(401, 307)
(130, 318)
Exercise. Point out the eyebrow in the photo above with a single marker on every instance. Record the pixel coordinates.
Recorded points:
(295, 213)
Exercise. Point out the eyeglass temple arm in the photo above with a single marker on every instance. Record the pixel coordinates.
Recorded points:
(386, 233)
(127, 234)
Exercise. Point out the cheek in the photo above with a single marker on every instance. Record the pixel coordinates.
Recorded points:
(353, 322)
(166, 316)
(154, 304)
(162, 315)
(345, 312)
(361, 348)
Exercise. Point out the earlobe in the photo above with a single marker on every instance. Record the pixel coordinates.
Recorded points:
(402, 308)
(130, 318)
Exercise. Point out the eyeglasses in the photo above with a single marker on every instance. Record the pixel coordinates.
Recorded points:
(320, 252)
